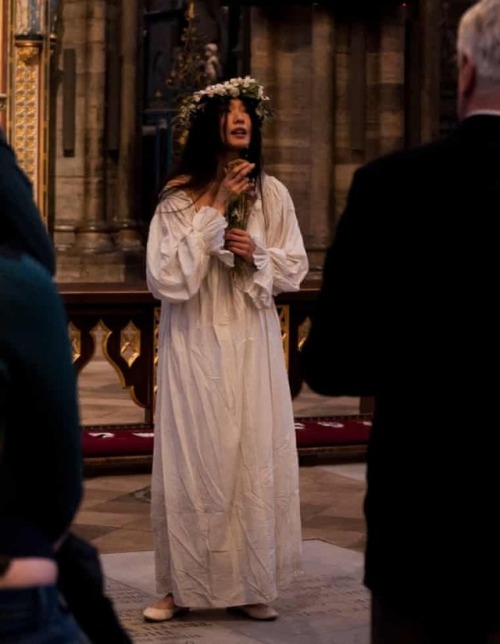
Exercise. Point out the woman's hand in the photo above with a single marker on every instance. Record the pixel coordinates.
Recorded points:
(234, 184)
(240, 243)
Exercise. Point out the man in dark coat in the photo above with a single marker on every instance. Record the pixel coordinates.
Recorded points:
(407, 313)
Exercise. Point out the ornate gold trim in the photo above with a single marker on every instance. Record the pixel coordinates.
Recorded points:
(75, 338)
(104, 346)
(27, 86)
(101, 328)
(7, 72)
(284, 317)
(303, 332)
(130, 343)
(29, 51)
(156, 326)
(26, 114)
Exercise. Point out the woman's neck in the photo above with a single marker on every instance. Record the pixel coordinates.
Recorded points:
(226, 157)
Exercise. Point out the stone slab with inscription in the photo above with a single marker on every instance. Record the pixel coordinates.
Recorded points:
(328, 605)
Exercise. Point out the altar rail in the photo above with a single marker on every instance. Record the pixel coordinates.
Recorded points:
(124, 319)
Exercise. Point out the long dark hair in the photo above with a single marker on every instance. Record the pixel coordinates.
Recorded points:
(200, 155)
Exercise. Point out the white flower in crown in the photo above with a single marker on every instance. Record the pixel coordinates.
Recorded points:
(246, 87)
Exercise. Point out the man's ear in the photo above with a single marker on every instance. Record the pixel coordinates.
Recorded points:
(467, 76)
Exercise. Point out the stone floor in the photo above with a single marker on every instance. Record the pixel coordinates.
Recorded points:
(328, 606)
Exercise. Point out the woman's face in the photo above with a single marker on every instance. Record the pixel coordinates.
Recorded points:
(236, 126)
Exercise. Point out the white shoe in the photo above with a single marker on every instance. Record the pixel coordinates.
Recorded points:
(261, 612)
(152, 614)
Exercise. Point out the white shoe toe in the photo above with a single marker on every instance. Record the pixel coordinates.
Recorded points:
(152, 614)
(261, 612)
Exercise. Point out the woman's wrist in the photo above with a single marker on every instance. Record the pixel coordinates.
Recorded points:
(220, 206)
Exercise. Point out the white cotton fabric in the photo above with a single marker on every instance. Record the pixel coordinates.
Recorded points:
(225, 490)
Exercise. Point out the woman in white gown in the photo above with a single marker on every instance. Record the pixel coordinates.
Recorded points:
(225, 492)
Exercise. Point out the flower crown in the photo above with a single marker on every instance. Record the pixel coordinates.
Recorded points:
(234, 88)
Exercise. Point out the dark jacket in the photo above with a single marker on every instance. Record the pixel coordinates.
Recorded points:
(20, 224)
(407, 313)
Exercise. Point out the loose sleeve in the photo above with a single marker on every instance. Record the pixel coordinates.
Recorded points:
(180, 247)
(281, 262)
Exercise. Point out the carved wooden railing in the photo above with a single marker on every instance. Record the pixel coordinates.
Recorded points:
(124, 319)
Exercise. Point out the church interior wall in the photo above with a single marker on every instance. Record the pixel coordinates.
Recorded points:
(340, 89)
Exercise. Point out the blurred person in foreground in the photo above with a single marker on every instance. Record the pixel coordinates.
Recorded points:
(223, 241)
(40, 453)
(407, 313)
(48, 575)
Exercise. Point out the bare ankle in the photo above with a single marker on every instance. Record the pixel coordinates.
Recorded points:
(165, 603)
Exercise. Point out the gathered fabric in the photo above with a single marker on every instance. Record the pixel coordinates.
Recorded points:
(225, 490)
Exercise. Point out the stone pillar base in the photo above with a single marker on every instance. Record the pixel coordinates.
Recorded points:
(93, 239)
(64, 236)
(128, 237)
(102, 267)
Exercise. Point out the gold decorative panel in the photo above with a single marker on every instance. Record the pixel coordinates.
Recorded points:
(75, 338)
(26, 132)
(284, 316)
(304, 332)
(155, 350)
(26, 45)
(101, 334)
(130, 343)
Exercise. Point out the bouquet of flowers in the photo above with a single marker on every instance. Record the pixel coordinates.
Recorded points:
(238, 212)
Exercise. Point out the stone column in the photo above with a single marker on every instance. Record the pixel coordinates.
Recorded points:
(385, 127)
(321, 219)
(430, 22)
(128, 237)
(292, 55)
(68, 171)
(93, 234)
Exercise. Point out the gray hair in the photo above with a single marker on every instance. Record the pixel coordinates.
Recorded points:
(479, 39)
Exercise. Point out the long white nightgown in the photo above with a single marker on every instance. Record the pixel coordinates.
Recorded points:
(225, 492)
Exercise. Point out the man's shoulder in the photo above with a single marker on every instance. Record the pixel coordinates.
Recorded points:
(419, 160)
(421, 154)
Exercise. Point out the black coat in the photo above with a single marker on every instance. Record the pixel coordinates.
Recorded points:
(407, 313)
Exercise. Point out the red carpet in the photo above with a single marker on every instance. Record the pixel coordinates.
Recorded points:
(311, 432)
(317, 432)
